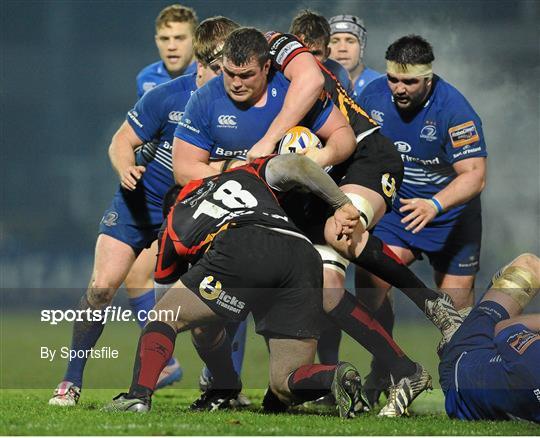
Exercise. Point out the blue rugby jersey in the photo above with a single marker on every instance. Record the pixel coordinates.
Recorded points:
(368, 75)
(340, 73)
(214, 122)
(155, 117)
(156, 74)
(445, 131)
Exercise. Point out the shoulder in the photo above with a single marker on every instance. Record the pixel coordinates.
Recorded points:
(149, 70)
(375, 89)
(450, 99)
(372, 74)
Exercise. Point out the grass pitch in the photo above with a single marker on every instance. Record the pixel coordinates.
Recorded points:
(24, 409)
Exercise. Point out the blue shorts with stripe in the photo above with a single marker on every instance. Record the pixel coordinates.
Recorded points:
(452, 248)
(132, 219)
(491, 377)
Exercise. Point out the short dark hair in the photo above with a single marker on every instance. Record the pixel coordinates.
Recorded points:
(312, 26)
(209, 35)
(245, 43)
(410, 49)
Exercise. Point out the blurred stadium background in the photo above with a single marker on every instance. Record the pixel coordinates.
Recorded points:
(68, 77)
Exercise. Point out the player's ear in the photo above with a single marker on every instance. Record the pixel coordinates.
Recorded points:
(266, 66)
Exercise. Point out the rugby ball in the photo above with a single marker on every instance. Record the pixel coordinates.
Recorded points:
(296, 139)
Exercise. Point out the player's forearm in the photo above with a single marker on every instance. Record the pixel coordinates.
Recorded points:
(121, 153)
(287, 171)
(463, 188)
(301, 96)
(339, 146)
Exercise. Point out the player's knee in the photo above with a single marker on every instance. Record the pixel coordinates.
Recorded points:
(528, 261)
(101, 292)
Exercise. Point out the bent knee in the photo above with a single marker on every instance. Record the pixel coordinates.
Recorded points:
(101, 292)
(528, 261)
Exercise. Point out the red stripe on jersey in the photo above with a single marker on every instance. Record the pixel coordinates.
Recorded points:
(160, 272)
(293, 55)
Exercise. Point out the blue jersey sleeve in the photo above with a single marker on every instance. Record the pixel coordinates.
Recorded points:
(465, 138)
(144, 118)
(194, 127)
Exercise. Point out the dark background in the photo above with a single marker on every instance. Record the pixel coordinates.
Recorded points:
(68, 77)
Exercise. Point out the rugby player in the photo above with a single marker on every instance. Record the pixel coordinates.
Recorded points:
(347, 46)
(490, 370)
(221, 225)
(133, 220)
(175, 26)
(237, 119)
(441, 142)
(313, 31)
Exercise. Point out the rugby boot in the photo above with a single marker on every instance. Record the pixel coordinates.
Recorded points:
(347, 391)
(65, 394)
(215, 399)
(402, 394)
(442, 313)
(170, 374)
(377, 382)
(241, 401)
(123, 403)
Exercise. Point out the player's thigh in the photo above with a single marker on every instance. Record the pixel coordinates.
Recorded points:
(141, 275)
(459, 287)
(182, 308)
(286, 355)
(112, 261)
(359, 195)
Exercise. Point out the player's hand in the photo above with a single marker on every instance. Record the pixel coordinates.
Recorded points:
(131, 176)
(260, 149)
(422, 212)
(346, 219)
(314, 154)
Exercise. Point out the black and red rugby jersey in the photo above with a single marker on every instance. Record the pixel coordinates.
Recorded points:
(283, 49)
(237, 197)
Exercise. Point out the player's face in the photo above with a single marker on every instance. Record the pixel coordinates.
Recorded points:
(245, 83)
(207, 72)
(175, 45)
(317, 49)
(409, 92)
(345, 49)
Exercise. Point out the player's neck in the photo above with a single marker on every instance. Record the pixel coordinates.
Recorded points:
(357, 71)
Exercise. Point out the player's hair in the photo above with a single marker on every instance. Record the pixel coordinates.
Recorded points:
(209, 35)
(410, 49)
(177, 14)
(314, 27)
(245, 43)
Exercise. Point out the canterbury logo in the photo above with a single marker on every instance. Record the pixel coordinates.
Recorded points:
(175, 116)
(227, 120)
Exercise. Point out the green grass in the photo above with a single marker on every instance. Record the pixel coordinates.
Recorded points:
(24, 409)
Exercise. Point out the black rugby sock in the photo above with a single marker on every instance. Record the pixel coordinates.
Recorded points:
(218, 360)
(385, 315)
(357, 322)
(156, 346)
(309, 382)
(328, 345)
(379, 259)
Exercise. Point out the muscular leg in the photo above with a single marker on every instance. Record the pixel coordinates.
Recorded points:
(459, 287)
(178, 310)
(112, 261)
(286, 356)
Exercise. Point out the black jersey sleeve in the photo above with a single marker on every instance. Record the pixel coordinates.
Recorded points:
(284, 48)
